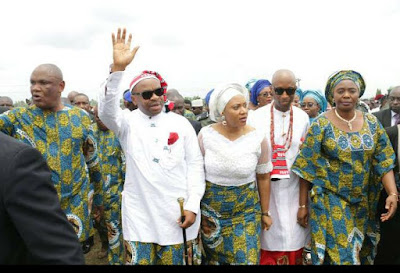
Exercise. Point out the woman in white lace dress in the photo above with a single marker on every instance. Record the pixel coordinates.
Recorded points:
(236, 157)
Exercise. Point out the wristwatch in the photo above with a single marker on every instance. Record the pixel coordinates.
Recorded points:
(266, 213)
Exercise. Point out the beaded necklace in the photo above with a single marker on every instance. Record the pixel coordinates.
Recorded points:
(347, 121)
(290, 130)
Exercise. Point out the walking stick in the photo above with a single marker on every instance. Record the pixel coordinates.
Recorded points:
(180, 201)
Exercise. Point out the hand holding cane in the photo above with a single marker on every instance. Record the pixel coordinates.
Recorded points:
(181, 200)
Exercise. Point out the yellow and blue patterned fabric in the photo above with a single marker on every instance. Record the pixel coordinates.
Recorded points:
(230, 224)
(138, 253)
(112, 165)
(61, 138)
(339, 76)
(345, 169)
(189, 114)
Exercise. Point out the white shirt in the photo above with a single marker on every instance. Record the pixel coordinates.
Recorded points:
(156, 173)
(234, 163)
(285, 233)
(393, 121)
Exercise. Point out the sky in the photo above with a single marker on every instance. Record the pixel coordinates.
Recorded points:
(196, 45)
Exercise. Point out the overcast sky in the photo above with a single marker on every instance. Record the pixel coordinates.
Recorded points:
(195, 45)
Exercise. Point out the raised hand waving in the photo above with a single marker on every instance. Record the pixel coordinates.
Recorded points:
(122, 53)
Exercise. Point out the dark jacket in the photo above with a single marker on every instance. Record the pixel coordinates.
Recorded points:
(33, 228)
(384, 117)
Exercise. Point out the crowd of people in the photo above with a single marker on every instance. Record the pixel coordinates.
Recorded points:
(270, 174)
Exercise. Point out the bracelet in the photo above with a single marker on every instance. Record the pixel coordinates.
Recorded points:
(302, 207)
(266, 213)
(394, 194)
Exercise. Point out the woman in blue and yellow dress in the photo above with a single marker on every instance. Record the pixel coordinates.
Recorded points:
(346, 155)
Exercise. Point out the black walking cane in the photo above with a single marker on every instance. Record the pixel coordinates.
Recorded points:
(181, 200)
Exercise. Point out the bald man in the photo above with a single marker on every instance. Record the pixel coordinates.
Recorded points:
(62, 135)
(71, 95)
(285, 126)
(179, 108)
(6, 102)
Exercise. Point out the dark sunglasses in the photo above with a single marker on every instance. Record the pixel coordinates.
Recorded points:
(289, 91)
(146, 95)
(308, 104)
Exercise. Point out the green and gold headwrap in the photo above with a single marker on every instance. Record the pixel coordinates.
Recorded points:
(340, 76)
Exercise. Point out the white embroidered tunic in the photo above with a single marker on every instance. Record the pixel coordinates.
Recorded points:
(156, 173)
(285, 233)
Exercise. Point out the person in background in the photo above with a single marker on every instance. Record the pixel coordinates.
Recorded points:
(298, 96)
(179, 108)
(201, 115)
(82, 101)
(285, 127)
(249, 84)
(261, 93)
(128, 104)
(163, 163)
(388, 251)
(390, 117)
(344, 160)
(233, 205)
(207, 100)
(112, 165)
(6, 102)
(3, 109)
(62, 134)
(313, 103)
(33, 228)
(188, 104)
(71, 95)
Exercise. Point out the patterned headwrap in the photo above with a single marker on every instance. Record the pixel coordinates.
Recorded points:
(340, 76)
(250, 84)
(299, 93)
(318, 97)
(147, 74)
(220, 97)
(207, 98)
(256, 89)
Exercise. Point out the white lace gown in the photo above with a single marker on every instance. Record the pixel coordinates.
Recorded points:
(230, 207)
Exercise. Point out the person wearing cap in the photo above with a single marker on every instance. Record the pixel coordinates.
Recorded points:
(284, 126)
(313, 103)
(163, 163)
(201, 115)
(128, 104)
(344, 160)
(232, 205)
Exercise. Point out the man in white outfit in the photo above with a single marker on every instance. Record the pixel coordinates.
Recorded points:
(285, 127)
(163, 163)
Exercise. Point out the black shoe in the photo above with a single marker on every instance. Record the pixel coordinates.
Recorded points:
(87, 245)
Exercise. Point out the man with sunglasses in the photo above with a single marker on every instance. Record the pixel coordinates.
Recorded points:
(285, 126)
(163, 163)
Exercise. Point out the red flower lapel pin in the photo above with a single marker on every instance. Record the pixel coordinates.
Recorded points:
(173, 137)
